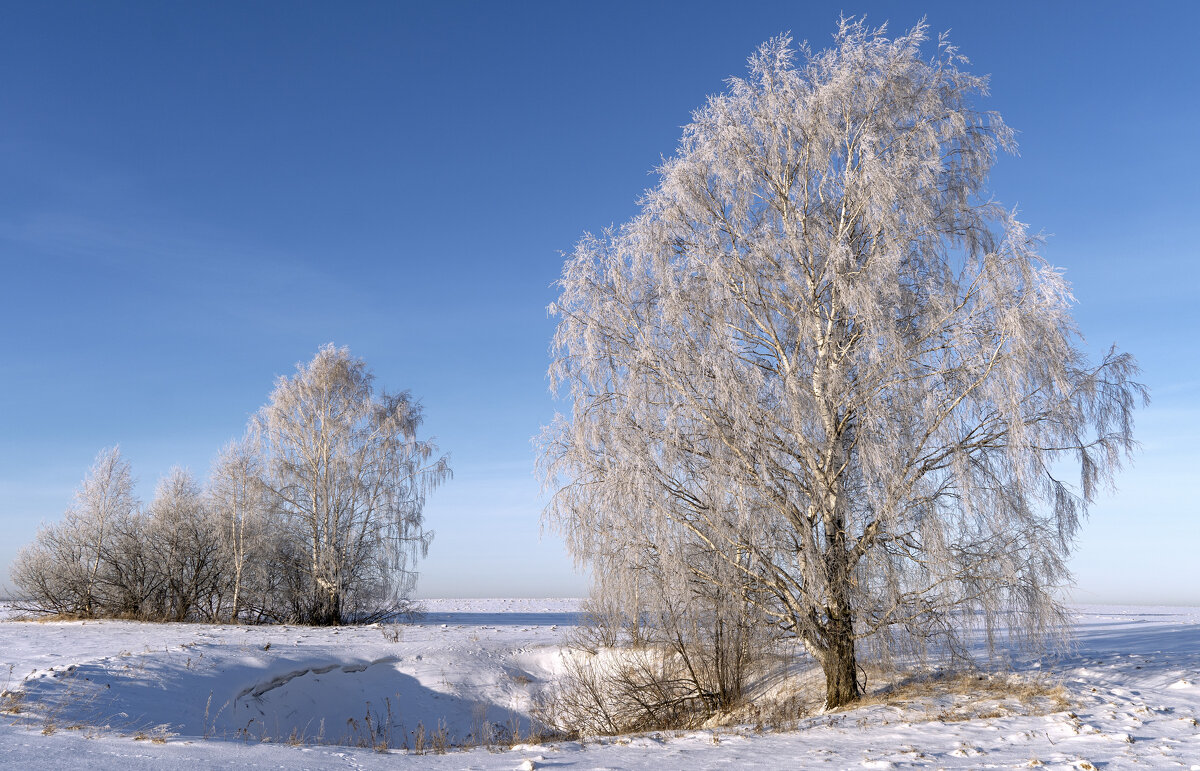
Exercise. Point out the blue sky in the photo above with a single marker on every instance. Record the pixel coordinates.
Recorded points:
(197, 196)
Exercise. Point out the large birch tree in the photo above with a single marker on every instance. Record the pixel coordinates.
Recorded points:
(823, 354)
(348, 475)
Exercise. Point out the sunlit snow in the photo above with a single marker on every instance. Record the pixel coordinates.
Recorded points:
(134, 695)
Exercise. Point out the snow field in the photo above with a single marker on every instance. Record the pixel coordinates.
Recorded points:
(131, 695)
(345, 685)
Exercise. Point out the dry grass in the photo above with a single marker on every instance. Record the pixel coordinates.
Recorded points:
(12, 702)
(32, 615)
(957, 696)
(49, 618)
(784, 696)
(782, 703)
(156, 735)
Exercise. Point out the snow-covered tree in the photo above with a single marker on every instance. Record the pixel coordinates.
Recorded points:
(65, 569)
(105, 498)
(348, 475)
(825, 356)
(237, 498)
(186, 548)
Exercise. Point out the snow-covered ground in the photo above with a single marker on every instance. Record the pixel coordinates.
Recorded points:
(130, 696)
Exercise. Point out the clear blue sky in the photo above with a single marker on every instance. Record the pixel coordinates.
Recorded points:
(196, 196)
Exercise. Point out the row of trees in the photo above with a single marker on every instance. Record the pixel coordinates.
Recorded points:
(315, 516)
(825, 376)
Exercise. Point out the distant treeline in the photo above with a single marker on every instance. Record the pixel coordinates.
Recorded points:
(315, 516)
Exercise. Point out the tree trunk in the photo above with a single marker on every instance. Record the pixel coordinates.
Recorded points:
(327, 607)
(840, 664)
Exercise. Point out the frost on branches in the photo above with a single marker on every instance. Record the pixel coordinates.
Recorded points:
(825, 373)
(315, 516)
(348, 474)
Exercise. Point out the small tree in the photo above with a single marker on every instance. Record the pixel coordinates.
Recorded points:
(822, 355)
(346, 471)
(181, 534)
(134, 582)
(64, 569)
(237, 499)
(50, 572)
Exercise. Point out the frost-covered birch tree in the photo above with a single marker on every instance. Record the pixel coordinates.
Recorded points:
(348, 475)
(185, 547)
(237, 498)
(823, 354)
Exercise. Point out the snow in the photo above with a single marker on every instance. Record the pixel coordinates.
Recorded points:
(127, 695)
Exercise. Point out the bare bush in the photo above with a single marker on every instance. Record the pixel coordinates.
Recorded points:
(73, 567)
(622, 690)
(675, 668)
